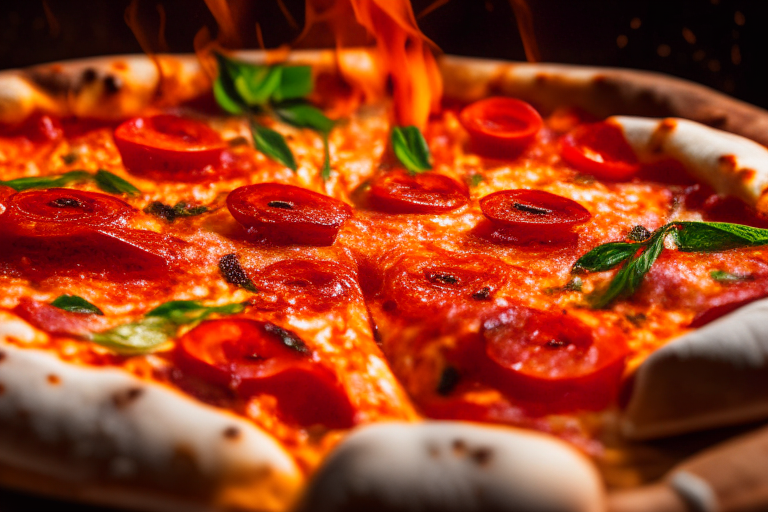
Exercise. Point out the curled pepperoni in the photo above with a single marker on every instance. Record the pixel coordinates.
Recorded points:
(38, 127)
(500, 127)
(254, 357)
(601, 150)
(60, 211)
(430, 193)
(552, 361)
(167, 147)
(302, 284)
(527, 216)
(420, 284)
(284, 214)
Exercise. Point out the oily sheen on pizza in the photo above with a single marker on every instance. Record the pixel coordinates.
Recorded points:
(272, 294)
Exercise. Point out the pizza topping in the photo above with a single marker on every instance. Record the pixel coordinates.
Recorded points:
(171, 213)
(524, 216)
(233, 273)
(449, 379)
(285, 214)
(105, 180)
(114, 184)
(724, 277)
(252, 358)
(601, 150)
(419, 284)
(411, 149)
(37, 127)
(639, 234)
(75, 304)
(55, 319)
(170, 147)
(500, 127)
(302, 284)
(552, 361)
(427, 193)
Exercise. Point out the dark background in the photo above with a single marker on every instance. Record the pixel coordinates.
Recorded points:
(719, 43)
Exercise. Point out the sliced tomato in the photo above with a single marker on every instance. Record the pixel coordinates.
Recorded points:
(551, 361)
(420, 284)
(302, 284)
(500, 127)
(284, 214)
(525, 216)
(601, 150)
(54, 320)
(254, 357)
(167, 147)
(58, 211)
(431, 193)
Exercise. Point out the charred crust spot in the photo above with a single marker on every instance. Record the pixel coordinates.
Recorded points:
(599, 79)
(125, 398)
(541, 78)
(459, 446)
(89, 76)
(728, 162)
(233, 272)
(53, 380)
(232, 433)
(483, 293)
(433, 451)
(747, 174)
(52, 82)
(481, 456)
(448, 380)
(112, 84)
(2, 356)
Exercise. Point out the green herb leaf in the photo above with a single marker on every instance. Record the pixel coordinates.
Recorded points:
(721, 276)
(233, 272)
(37, 182)
(114, 184)
(272, 144)
(475, 180)
(224, 90)
(717, 236)
(304, 115)
(605, 257)
(411, 149)
(136, 337)
(627, 280)
(295, 82)
(75, 304)
(182, 209)
(289, 339)
(188, 311)
(256, 84)
(325, 173)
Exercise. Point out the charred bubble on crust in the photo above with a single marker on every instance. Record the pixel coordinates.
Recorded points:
(449, 379)
(289, 339)
(459, 446)
(234, 274)
(51, 81)
(232, 433)
(112, 84)
(481, 456)
(2, 356)
(89, 76)
(53, 380)
(125, 398)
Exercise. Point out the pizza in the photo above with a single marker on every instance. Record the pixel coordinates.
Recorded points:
(265, 292)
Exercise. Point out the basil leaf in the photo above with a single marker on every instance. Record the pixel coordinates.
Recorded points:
(255, 84)
(36, 182)
(182, 209)
(721, 276)
(304, 115)
(114, 184)
(224, 90)
(605, 257)
(475, 180)
(289, 339)
(136, 337)
(411, 149)
(627, 280)
(325, 173)
(295, 82)
(272, 144)
(233, 272)
(717, 236)
(75, 304)
(188, 311)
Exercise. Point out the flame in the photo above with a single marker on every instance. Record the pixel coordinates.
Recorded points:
(525, 26)
(403, 58)
(228, 34)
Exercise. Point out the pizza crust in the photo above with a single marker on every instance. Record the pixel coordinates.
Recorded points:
(453, 467)
(97, 430)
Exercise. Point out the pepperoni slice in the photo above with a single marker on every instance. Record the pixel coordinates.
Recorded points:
(167, 147)
(601, 150)
(551, 359)
(284, 214)
(254, 357)
(418, 285)
(58, 321)
(60, 211)
(500, 127)
(38, 127)
(400, 192)
(526, 216)
(302, 284)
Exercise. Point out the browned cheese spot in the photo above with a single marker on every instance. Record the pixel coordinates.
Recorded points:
(53, 380)
(123, 399)
(232, 433)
